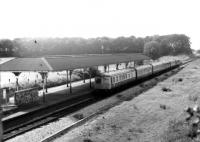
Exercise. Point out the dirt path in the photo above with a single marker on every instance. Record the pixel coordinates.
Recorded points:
(146, 117)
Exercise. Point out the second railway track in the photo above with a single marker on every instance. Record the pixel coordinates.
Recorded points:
(22, 124)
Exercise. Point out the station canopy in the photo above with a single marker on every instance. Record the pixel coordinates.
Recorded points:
(67, 62)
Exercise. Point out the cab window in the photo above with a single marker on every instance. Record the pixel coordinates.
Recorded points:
(98, 80)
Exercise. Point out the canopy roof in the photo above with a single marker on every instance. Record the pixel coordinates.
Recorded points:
(67, 62)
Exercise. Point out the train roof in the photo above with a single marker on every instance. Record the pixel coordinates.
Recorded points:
(67, 62)
(116, 72)
(163, 62)
(143, 66)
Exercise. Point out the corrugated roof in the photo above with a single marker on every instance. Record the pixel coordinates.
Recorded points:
(64, 62)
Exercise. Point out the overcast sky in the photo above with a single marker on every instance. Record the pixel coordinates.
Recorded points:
(95, 18)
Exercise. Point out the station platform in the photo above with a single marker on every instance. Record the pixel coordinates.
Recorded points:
(53, 96)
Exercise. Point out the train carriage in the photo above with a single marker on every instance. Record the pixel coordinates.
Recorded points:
(143, 71)
(113, 79)
(160, 66)
(110, 80)
(173, 63)
(178, 62)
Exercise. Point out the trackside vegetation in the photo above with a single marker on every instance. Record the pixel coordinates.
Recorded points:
(153, 46)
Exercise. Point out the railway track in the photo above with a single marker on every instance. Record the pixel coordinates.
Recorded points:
(16, 126)
(19, 125)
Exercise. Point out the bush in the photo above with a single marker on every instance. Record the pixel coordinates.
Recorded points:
(178, 131)
(78, 116)
(180, 79)
(165, 89)
(193, 97)
(163, 106)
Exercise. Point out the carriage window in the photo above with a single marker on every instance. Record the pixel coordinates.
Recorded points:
(113, 79)
(116, 78)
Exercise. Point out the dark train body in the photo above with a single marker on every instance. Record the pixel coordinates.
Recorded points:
(114, 79)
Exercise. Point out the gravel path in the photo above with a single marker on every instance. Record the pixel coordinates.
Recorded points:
(38, 134)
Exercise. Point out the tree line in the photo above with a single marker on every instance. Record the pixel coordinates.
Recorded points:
(153, 46)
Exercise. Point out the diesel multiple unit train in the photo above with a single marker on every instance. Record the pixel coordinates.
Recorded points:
(111, 80)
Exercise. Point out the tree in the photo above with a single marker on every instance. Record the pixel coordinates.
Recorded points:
(29, 47)
(6, 48)
(180, 44)
(152, 49)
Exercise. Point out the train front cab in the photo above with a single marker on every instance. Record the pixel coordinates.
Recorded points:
(108, 82)
(102, 82)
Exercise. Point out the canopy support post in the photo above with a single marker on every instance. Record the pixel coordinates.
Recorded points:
(90, 81)
(70, 76)
(126, 65)
(44, 76)
(117, 66)
(84, 75)
(67, 79)
(104, 68)
(46, 82)
(17, 78)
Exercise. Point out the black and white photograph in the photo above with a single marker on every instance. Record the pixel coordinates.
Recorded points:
(99, 71)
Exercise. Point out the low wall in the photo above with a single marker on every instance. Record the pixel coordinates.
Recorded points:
(26, 96)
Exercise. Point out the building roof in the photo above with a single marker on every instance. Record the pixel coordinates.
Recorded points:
(25, 64)
(67, 62)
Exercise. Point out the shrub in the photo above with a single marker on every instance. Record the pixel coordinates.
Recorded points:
(165, 89)
(78, 116)
(178, 131)
(193, 97)
(163, 106)
(180, 79)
